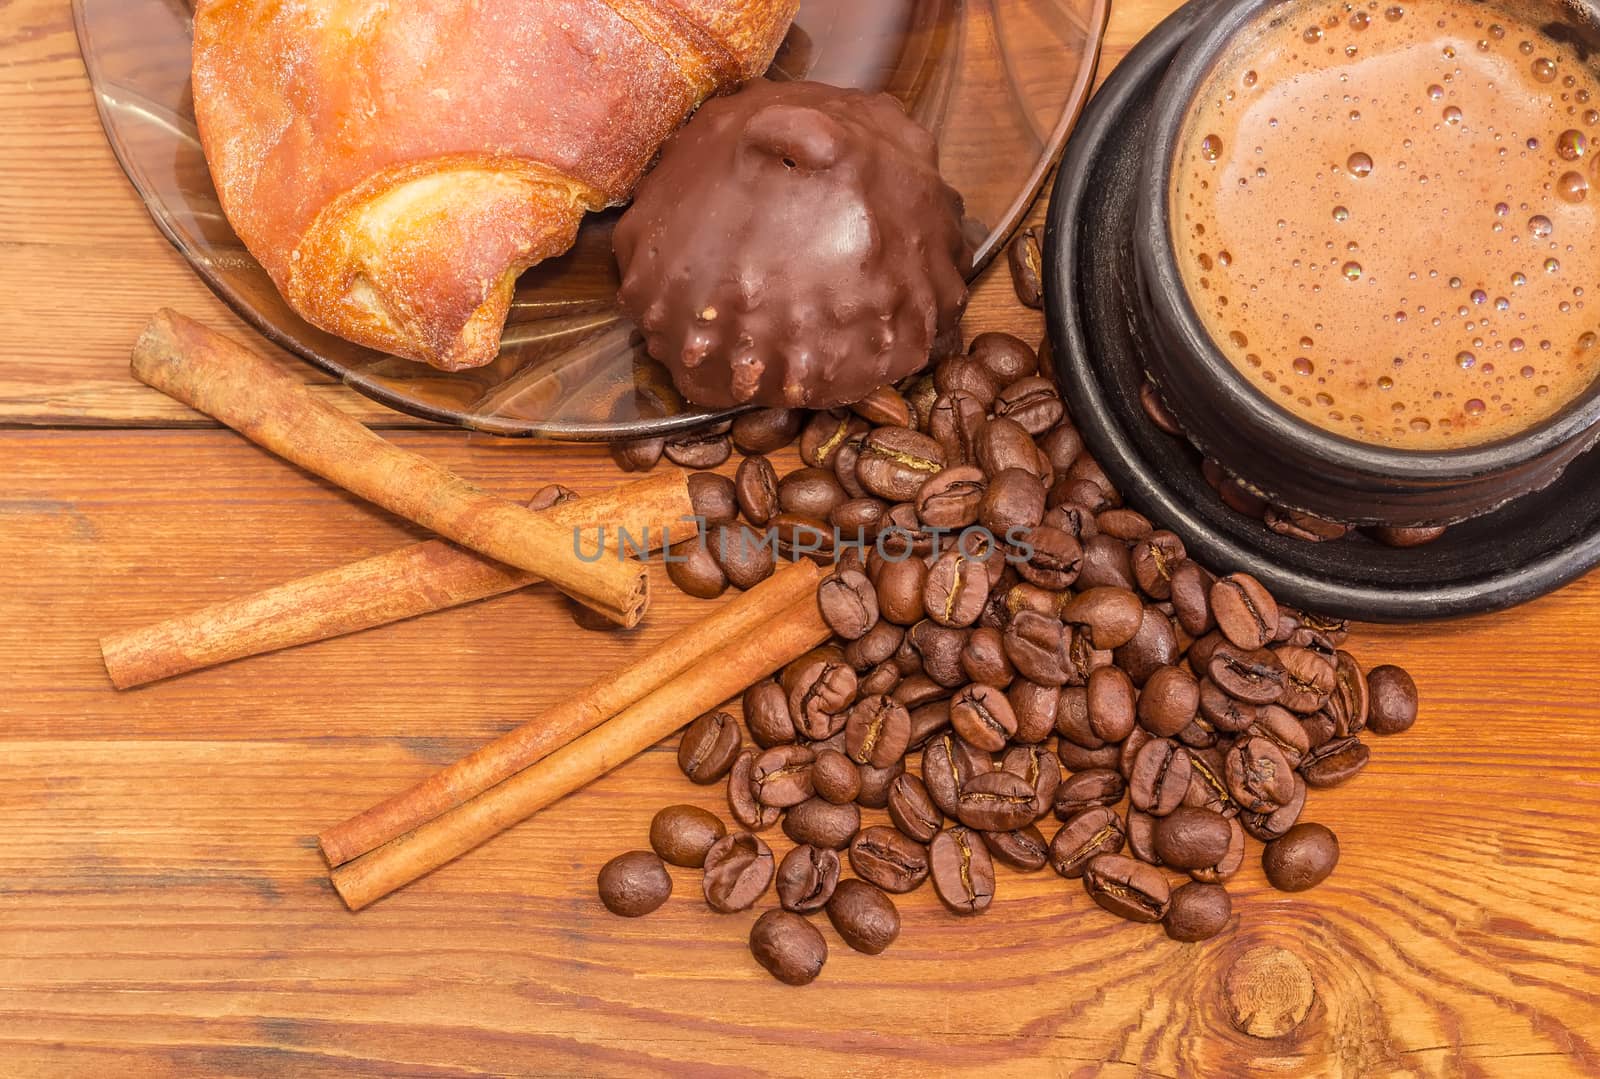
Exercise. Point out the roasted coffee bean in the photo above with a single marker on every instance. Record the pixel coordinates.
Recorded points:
(745, 556)
(782, 776)
(1201, 651)
(956, 422)
(875, 784)
(700, 449)
(888, 859)
(1230, 863)
(1271, 825)
(964, 374)
(822, 824)
(1190, 838)
(682, 834)
(1041, 769)
(983, 717)
(1127, 888)
(1208, 782)
(1129, 526)
(788, 947)
(844, 466)
(860, 521)
(1154, 645)
(881, 681)
(1245, 611)
(863, 916)
(1077, 759)
(1157, 412)
(1308, 679)
(639, 454)
(834, 777)
(1169, 701)
(1154, 559)
(912, 810)
(1128, 752)
(916, 690)
(849, 604)
(738, 869)
(1039, 646)
(983, 658)
(1023, 849)
(1006, 358)
(1349, 705)
(766, 713)
(634, 884)
(877, 732)
(1013, 500)
(1407, 537)
(1198, 912)
(1085, 836)
(798, 536)
(1320, 729)
(962, 871)
(1222, 711)
(1073, 720)
(956, 590)
(928, 720)
(1048, 558)
(951, 499)
(1105, 564)
(1335, 762)
(1190, 591)
(1260, 778)
(1005, 444)
(1086, 789)
(1035, 708)
(812, 492)
(708, 748)
(821, 690)
(1198, 734)
(1160, 778)
(1078, 521)
(1111, 702)
(895, 462)
(1023, 596)
(1302, 858)
(1142, 836)
(1062, 445)
(692, 567)
(1034, 402)
(1279, 726)
(1394, 700)
(1253, 677)
(1027, 268)
(900, 586)
(884, 407)
(747, 810)
(807, 877)
(875, 646)
(1111, 615)
(944, 770)
(995, 802)
(766, 429)
(712, 497)
(824, 433)
(1303, 526)
(940, 648)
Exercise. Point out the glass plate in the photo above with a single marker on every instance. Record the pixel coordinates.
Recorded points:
(999, 82)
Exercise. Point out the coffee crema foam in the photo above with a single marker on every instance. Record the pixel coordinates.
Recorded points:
(1383, 215)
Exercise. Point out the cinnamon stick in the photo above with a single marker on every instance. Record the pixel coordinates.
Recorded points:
(270, 407)
(414, 580)
(634, 729)
(745, 617)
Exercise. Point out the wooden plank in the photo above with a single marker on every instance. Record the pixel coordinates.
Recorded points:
(163, 904)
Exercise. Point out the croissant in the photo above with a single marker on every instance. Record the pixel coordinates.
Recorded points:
(395, 167)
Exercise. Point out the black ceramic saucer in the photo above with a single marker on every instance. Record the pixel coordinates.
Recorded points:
(1518, 553)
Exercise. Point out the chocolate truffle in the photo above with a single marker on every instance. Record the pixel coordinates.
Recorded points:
(795, 247)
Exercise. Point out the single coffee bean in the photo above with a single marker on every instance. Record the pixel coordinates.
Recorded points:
(1198, 912)
(956, 590)
(951, 499)
(965, 374)
(955, 423)
(834, 777)
(1111, 615)
(747, 810)
(820, 823)
(694, 569)
(917, 690)
(863, 916)
(1048, 557)
(682, 834)
(1320, 729)
(878, 731)
(1085, 836)
(825, 433)
(889, 859)
(1127, 888)
(1208, 782)
(737, 871)
(1160, 779)
(927, 721)
(1201, 651)
(708, 748)
(1253, 677)
(1129, 526)
(1190, 592)
(1039, 646)
(1154, 559)
(859, 521)
(766, 429)
(821, 690)
(1014, 500)
(995, 802)
(807, 877)
(745, 556)
(1087, 789)
(1407, 537)
(1142, 836)
(1034, 402)
(782, 776)
(812, 492)
(798, 536)
(1349, 705)
(1128, 752)
(983, 717)
(1004, 443)
(1190, 838)
(1335, 762)
(1153, 646)
(1077, 759)
(912, 810)
(1073, 720)
(1198, 734)
(1282, 729)
(1021, 848)
(1244, 610)
(702, 449)
(712, 497)
(939, 648)
(634, 884)
(844, 467)
(638, 455)
(1027, 268)
(983, 658)
(962, 871)
(766, 713)
(1394, 700)
(1062, 444)
(1230, 863)
(788, 947)
(1260, 778)
(884, 407)
(1308, 679)
(1035, 707)
(900, 585)
(1169, 702)
(896, 461)
(1303, 526)
(1157, 412)
(1269, 826)
(849, 603)
(1006, 358)
(873, 647)
(1042, 771)
(881, 681)
(875, 783)
(1222, 711)
(1302, 858)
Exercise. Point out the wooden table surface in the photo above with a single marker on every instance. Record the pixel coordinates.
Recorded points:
(163, 909)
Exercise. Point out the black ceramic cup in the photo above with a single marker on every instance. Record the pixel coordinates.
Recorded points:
(1287, 460)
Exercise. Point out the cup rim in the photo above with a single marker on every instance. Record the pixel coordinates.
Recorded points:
(1165, 290)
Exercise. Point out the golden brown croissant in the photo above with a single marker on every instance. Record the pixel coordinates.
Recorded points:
(395, 166)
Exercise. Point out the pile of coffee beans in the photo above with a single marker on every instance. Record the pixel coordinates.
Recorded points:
(1016, 652)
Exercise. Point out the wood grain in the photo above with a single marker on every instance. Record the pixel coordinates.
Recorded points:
(163, 910)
